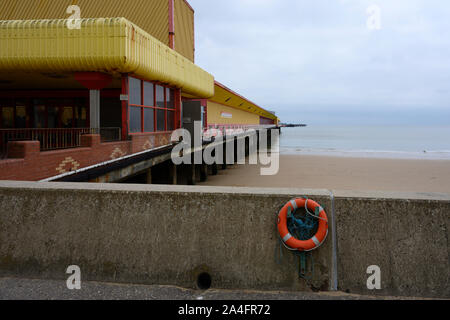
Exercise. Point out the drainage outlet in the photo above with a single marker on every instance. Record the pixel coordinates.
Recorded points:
(204, 281)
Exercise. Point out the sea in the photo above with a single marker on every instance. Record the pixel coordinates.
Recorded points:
(403, 142)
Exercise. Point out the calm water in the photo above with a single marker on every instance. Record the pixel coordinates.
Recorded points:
(368, 141)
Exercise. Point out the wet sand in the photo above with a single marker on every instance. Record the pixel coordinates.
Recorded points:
(342, 173)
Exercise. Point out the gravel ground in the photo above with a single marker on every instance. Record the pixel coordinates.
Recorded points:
(32, 289)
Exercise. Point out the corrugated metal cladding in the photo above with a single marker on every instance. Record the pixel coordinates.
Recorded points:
(150, 15)
(106, 45)
(184, 29)
(227, 97)
(237, 116)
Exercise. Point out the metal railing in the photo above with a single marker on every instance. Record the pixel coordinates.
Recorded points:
(55, 139)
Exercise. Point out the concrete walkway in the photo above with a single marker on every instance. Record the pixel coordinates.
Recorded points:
(28, 289)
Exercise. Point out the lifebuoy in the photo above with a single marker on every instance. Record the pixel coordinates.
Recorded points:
(317, 240)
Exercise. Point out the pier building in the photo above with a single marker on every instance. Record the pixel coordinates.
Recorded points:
(85, 83)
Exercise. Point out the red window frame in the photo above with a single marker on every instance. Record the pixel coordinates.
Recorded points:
(154, 107)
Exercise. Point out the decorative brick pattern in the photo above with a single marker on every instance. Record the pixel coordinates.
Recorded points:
(27, 163)
(117, 153)
(63, 166)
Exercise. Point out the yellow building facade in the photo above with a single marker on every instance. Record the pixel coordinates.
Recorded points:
(63, 63)
(219, 114)
(153, 16)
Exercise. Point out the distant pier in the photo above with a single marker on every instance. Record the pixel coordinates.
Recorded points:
(293, 125)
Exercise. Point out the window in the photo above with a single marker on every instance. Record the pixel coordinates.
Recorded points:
(170, 120)
(7, 117)
(67, 117)
(135, 91)
(151, 107)
(39, 114)
(80, 117)
(44, 113)
(160, 97)
(52, 117)
(135, 119)
(170, 96)
(149, 120)
(149, 94)
(21, 114)
(161, 119)
(13, 114)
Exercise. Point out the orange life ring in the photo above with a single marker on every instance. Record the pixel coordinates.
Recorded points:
(317, 240)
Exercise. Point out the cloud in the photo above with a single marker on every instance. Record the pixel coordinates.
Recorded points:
(285, 54)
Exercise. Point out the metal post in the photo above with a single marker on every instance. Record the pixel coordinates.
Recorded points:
(94, 106)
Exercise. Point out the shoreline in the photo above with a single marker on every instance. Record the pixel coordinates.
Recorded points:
(343, 173)
(369, 154)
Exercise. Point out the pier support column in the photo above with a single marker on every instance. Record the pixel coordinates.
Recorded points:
(149, 176)
(173, 174)
(214, 169)
(224, 161)
(236, 156)
(230, 154)
(191, 179)
(257, 141)
(269, 139)
(203, 172)
(247, 146)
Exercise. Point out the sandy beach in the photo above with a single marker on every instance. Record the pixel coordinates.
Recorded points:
(342, 173)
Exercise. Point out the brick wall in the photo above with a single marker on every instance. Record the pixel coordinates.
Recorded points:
(25, 162)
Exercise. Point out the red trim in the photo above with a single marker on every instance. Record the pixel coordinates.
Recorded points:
(150, 107)
(177, 122)
(155, 114)
(124, 108)
(149, 133)
(171, 24)
(93, 80)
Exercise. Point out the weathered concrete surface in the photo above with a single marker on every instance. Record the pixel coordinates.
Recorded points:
(36, 289)
(167, 235)
(407, 237)
(152, 235)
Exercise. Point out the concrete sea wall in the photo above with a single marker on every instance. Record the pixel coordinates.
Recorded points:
(169, 235)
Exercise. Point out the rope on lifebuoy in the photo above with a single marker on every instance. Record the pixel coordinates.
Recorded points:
(302, 227)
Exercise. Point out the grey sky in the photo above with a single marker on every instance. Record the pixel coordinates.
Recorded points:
(317, 61)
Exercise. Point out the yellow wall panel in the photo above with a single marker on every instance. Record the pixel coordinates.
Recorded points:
(226, 96)
(184, 29)
(150, 15)
(105, 45)
(215, 111)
